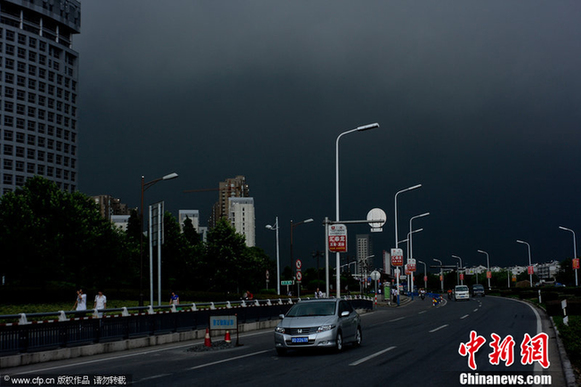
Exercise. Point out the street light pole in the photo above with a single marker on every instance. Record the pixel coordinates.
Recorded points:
(457, 257)
(275, 228)
(395, 205)
(425, 274)
(530, 263)
(145, 187)
(410, 250)
(574, 251)
(441, 275)
(487, 266)
(338, 256)
(292, 226)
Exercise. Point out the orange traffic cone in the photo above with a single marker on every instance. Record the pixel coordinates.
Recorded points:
(227, 337)
(207, 341)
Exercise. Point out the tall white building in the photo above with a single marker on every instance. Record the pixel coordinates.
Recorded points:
(241, 216)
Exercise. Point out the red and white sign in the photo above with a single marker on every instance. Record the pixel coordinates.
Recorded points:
(461, 276)
(575, 263)
(397, 257)
(488, 274)
(299, 276)
(411, 265)
(531, 270)
(338, 238)
(298, 264)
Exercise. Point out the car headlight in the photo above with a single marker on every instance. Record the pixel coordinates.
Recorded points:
(279, 330)
(324, 328)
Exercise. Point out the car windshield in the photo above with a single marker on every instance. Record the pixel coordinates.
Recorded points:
(312, 309)
(461, 288)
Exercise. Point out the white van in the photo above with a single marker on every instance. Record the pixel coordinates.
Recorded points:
(461, 292)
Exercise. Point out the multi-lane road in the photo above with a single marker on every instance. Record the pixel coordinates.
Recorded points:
(416, 344)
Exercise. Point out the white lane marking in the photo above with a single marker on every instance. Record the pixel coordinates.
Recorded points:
(438, 328)
(475, 310)
(229, 359)
(371, 356)
(396, 319)
(152, 377)
(423, 311)
(463, 317)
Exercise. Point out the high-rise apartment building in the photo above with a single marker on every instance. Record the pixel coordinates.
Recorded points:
(364, 252)
(241, 217)
(38, 92)
(230, 188)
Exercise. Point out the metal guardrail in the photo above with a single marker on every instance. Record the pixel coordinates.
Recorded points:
(23, 336)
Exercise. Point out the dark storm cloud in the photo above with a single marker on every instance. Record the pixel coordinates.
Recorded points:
(478, 101)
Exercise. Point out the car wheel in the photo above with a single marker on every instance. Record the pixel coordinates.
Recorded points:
(358, 337)
(281, 351)
(339, 342)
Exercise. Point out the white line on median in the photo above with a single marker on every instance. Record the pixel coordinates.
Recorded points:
(371, 356)
(227, 360)
(396, 319)
(438, 328)
(463, 317)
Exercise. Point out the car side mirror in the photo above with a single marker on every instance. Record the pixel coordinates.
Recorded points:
(281, 316)
(345, 313)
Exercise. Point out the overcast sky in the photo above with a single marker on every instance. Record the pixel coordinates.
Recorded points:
(478, 101)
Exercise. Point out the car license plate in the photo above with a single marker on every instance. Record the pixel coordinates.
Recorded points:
(299, 339)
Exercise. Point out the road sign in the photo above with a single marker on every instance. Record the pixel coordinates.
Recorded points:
(376, 214)
(338, 238)
(575, 263)
(397, 257)
(286, 283)
(298, 264)
(299, 276)
(412, 264)
(375, 275)
(488, 274)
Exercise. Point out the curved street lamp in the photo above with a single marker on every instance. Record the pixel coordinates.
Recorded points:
(338, 255)
(441, 275)
(275, 228)
(487, 266)
(530, 264)
(457, 257)
(574, 251)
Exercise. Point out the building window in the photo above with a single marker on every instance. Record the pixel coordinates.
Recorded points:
(20, 137)
(20, 166)
(8, 135)
(19, 180)
(9, 64)
(8, 165)
(31, 153)
(31, 168)
(8, 178)
(8, 149)
(19, 151)
(41, 170)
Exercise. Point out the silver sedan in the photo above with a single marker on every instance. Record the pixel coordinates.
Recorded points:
(321, 323)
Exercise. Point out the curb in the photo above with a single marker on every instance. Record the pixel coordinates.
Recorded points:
(565, 362)
(117, 346)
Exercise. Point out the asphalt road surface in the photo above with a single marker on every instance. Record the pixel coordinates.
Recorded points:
(416, 344)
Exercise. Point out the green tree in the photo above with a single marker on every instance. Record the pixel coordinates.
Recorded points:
(190, 233)
(223, 258)
(57, 237)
